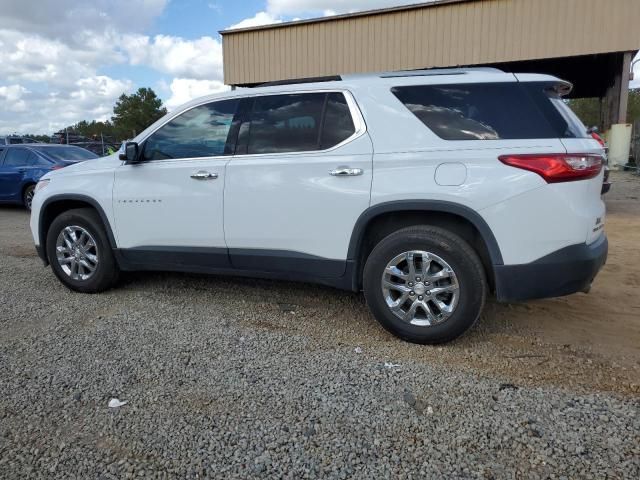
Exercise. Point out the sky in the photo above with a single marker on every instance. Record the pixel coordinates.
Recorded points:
(62, 61)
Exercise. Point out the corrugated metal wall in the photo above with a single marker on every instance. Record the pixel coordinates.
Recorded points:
(464, 33)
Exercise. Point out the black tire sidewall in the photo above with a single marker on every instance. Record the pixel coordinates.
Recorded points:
(107, 270)
(453, 250)
(24, 196)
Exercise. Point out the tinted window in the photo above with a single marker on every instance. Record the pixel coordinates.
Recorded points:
(338, 124)
(563, 121)
(16, 157)
(286, 123)
(489, 111)
(199, 132)
(69, 154)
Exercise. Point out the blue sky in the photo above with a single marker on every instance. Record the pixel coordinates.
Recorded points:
(69, 60)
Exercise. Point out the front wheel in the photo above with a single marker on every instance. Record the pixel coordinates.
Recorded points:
(79, 251)
(425, 284)
(27, 196)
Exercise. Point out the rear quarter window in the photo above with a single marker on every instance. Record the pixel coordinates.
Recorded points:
(486, 111)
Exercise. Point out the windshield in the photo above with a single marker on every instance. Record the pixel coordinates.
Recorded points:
(68, 154)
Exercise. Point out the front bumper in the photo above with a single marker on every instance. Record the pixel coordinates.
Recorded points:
(563, 272)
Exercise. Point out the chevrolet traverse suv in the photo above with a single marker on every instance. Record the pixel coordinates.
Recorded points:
(428, 190)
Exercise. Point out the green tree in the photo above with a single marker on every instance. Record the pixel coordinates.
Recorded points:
(133, 113)
(588, 109)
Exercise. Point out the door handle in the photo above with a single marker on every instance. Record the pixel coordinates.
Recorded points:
(202, 175)
(345, 172)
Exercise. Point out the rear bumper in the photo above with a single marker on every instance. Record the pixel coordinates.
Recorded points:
(563, 272)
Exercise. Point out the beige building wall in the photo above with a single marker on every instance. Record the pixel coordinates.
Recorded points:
(447, 33)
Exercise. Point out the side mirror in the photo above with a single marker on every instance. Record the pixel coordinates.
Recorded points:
(130, 152)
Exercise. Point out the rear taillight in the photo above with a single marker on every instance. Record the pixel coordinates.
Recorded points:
(556, 168)
(57, 167)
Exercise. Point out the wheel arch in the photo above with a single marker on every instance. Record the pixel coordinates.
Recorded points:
(380, 220)
(57, 204)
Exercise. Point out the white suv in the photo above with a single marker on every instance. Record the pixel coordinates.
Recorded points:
(428, 190)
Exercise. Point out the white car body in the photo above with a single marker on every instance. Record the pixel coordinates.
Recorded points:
(284, 215)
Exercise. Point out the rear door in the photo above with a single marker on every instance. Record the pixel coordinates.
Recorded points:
(12, 169)
(299, 180)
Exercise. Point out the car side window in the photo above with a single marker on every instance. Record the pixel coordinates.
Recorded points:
(202, 131)
(285, 123)
(337, 125)
(490, 111)
(16, 157)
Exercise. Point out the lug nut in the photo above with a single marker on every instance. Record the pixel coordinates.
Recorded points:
(411, 284)
(412, 293)
(420, 297)
(417, 279)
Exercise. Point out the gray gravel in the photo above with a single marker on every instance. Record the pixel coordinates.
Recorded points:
(233, 378)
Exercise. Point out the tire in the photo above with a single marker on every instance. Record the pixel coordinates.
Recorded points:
(105, 270)
(462, 285)
(27, 196)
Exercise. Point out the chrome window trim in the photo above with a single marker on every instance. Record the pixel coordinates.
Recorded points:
(354, 110)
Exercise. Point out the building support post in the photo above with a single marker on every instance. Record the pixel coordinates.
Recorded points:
(614, 103)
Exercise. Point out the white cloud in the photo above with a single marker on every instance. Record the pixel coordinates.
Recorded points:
(200, 58)
(73, 20)
(34, 111)
(260, 18)
(185, 89)
(33, 58)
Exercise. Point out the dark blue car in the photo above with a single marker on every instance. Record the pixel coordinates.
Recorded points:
(21, 166)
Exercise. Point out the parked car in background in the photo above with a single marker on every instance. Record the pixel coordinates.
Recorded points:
(22, 165)
(15, 139)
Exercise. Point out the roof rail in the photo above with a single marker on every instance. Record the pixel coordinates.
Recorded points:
(423, 72)
(396, 74)
(293, 81)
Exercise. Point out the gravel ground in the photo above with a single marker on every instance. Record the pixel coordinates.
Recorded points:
(233, 378)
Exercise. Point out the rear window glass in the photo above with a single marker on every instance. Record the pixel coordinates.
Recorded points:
(564, 122)
(487, 111)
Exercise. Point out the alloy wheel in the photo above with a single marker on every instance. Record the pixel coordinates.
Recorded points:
(77, 252)
(420, 288)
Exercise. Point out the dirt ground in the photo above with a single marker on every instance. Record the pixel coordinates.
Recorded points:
(583, 342)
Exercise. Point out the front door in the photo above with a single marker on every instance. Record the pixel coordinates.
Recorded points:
(12, 169)
(299, 180)
(168, 208)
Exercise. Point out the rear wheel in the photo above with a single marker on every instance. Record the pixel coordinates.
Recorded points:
(27, 196)
(425, 284)
(79, 251)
